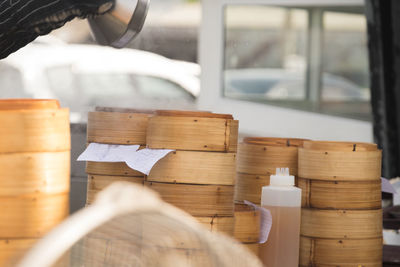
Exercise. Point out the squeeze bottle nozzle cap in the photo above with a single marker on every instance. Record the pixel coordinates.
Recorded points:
(282, 178)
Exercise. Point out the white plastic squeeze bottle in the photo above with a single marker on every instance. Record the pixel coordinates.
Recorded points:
(283, 200)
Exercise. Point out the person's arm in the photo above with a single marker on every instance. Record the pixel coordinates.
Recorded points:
(22, 21)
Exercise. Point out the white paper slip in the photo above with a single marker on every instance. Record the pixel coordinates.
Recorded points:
(144, 159)
(141, 160)
(265, 221)
(107, 153)
(387, 187)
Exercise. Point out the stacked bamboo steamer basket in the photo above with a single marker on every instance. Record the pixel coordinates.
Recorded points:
(258, 158)
(34, 172)
(199, 176)
(114, 126)
(341, 205)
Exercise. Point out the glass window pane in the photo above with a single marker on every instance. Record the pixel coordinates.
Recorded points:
(265, 52)
(345, 80)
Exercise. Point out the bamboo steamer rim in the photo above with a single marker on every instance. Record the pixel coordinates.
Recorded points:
(339, 146)
(28, 104)
(124, 110)
(274, 141)
(186, 113)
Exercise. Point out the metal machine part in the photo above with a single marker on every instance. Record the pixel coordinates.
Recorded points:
(119, 26)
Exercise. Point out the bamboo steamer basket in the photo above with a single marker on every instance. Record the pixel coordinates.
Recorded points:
(124, 128)
(197, 200)
(341, 216)
(248, 187)
(341, 224)
(28, 173)
(31, 216)
(97, 183)
(258, 158)
(114, 126)
(111, 168)
(195, 167)
(11, 249)
(247, 224)
(218, 224)
(355, 195)
(196, 131)
(254, 247)
(332, 161)
(34, 130)
(341, 252)
(259, 155)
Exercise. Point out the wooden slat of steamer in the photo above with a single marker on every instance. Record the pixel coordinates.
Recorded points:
(358, 195)
(197, 133)
(195, 167)
(44, 130)
(28, 173)
(346, 224)
(218, 224)
(247, 224)
(117, 128)
(96, 183)
(343, 253)
(249, 186)
(339, 146)
(111, 168)
(263, 160)
(13, 249)
(197, 200)
(340, 165)
(31, 216)
(255, 247)
(274, 141)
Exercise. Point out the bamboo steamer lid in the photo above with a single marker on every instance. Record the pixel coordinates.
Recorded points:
(338, 252)
(341, 224)
(28, 104)
(247, 224)
(249, 186)
(262, 155)
(31, 216)
(339, 146)
(354, 195)
(29, 173)
(197, 200)
(117, 127)
(11, 249)
(189, 113)
(111, 168)
(218, 224)
(196, 131)
(195, 167)
(34, 130)
(339, 161)
(274, 141)
(97, 183)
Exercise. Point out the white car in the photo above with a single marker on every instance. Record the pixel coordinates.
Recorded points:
(84, 76)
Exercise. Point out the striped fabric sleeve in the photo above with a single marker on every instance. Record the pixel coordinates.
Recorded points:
(22, 21)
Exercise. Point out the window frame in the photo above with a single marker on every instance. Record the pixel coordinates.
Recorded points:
(313, 76)
(265, 119)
